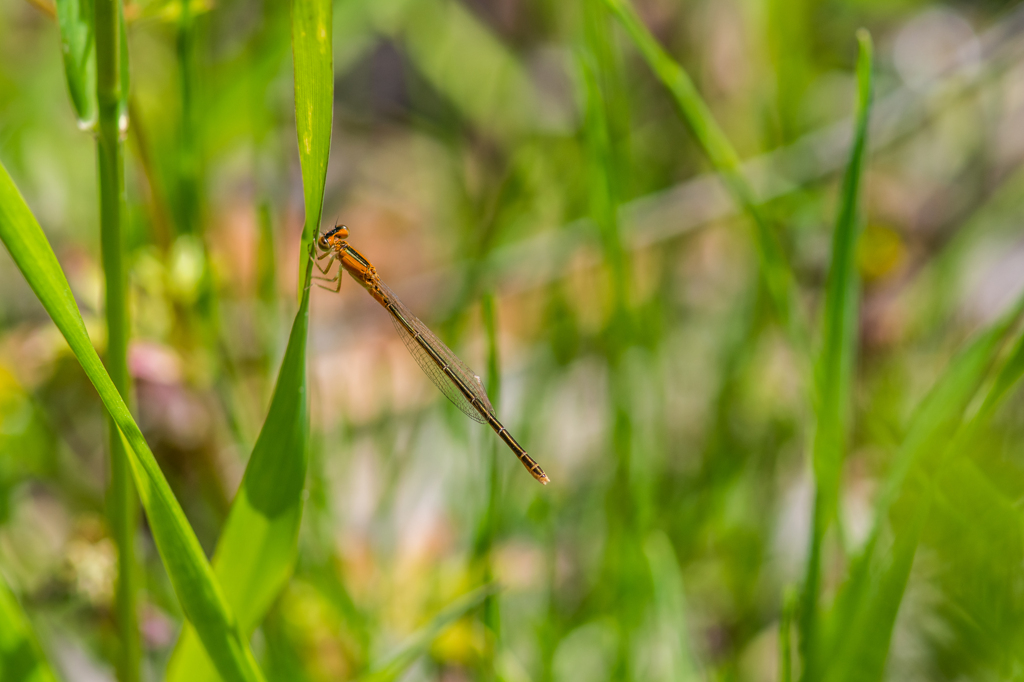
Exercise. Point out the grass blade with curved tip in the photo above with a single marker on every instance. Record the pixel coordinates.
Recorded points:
(836, 359)
(778, 275)
(394, 665)
(20, 655)
(190, 573)
(78, 48)
(314, 107)
(76, 23)
(257, 547)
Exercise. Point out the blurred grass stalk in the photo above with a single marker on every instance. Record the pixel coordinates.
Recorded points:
(109, 151)
(605, 139)
(856, 642)
(21, 658)
(836, 359)
(490, 523)
(775, 268)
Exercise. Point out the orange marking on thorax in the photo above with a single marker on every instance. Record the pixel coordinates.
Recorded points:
(359, 266)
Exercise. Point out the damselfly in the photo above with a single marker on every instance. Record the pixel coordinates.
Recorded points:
(457, 381)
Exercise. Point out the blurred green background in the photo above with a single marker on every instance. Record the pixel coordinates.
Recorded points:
(635, 352)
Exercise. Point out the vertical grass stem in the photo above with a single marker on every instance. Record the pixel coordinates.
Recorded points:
(109, 151)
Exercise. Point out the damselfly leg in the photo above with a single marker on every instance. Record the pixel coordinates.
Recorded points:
(326, 270)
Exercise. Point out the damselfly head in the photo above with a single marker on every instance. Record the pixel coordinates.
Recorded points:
(339, 233)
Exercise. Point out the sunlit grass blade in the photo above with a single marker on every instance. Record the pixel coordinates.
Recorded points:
(21, 658)
(394, 665)
(775, 268)
(190, 573)
(836, 359)
(314, 107)
(257, 547)
(868, 602)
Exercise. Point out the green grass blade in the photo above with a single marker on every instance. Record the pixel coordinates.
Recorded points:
(190, 573)
(257, 547)
(21, 659)
(836, 359)
(395, 664)
(775, 268)
(1007, 378)
(868, 634)
(78, 47)
(941, 412)
(868, 602)
(314, 107)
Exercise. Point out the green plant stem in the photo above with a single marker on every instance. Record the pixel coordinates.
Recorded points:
(121, 506)
(790, 603)
(491, 616)
(603, 126)
(188, 158)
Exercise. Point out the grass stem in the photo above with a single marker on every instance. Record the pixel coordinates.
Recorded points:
(121, 506)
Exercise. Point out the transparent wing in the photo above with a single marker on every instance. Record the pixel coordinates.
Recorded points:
(431, 368)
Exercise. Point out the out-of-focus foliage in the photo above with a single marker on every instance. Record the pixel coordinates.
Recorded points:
(540, 155)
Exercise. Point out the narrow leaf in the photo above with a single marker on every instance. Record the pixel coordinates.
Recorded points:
(78, 48)
(190, 573)
(257, 547)
(868, 635)
(314, 106)
(927, 441)
(76, 21)
(836, 359)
